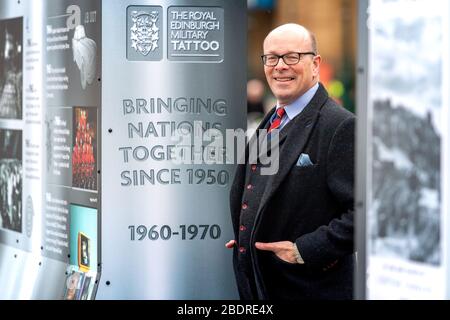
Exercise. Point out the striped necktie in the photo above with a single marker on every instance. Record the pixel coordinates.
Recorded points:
(277, 121)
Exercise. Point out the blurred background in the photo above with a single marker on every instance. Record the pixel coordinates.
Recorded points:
(335, 26)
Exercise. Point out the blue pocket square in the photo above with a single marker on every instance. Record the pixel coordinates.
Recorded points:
(304, 161)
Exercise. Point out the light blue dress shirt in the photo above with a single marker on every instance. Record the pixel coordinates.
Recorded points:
(294, 109)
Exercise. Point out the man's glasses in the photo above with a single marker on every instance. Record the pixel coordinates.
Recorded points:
(271, 60)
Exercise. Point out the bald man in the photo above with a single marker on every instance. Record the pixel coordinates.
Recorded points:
(294, 229)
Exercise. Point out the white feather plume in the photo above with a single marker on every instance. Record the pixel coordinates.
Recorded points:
(84, 55)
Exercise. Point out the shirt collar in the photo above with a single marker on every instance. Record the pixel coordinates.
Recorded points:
(293, 109)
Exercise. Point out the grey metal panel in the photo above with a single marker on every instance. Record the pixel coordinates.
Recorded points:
(361, 150)
(173, 268)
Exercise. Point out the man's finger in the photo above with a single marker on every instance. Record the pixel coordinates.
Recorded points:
(265, 246)
(230, 244)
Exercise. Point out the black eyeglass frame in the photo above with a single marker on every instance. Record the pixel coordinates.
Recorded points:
(300, 54)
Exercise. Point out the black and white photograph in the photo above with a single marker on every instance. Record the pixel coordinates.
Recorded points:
(11, 180)
(405, 216)
(83, 251)
(11, 73)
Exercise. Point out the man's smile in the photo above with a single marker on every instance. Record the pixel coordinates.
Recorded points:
(284, 79)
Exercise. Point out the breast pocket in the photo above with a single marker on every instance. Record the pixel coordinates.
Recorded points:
(303, 177)
(310, 170)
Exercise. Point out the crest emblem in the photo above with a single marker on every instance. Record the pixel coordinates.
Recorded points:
(144, 32)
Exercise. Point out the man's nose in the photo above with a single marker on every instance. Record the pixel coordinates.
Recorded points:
(281, 64)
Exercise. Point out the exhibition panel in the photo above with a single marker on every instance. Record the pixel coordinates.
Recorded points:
(94, 99)
(403, 160)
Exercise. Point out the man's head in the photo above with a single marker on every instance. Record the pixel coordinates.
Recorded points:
(288, 82)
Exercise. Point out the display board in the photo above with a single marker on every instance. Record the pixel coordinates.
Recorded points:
(406, 240)
(94, 99)
(73, 95)
(12, 166)
(165, 222)
(50, 148)
(21, 149)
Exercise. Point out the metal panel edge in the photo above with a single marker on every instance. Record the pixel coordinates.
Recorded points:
(361, 151)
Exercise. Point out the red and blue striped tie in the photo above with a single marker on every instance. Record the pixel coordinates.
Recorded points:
(277, 121)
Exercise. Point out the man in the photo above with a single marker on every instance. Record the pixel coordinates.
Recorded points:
(294, 229)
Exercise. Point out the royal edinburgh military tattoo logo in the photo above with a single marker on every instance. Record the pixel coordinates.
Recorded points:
(144, 32)
(144, 28)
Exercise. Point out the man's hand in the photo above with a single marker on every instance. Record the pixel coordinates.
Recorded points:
(282, 249)
(230, 244)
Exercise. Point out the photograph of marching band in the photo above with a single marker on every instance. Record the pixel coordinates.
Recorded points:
(84, 149)
(11, 180)
(11, 68)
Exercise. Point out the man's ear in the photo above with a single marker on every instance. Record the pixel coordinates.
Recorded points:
(316, 65)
